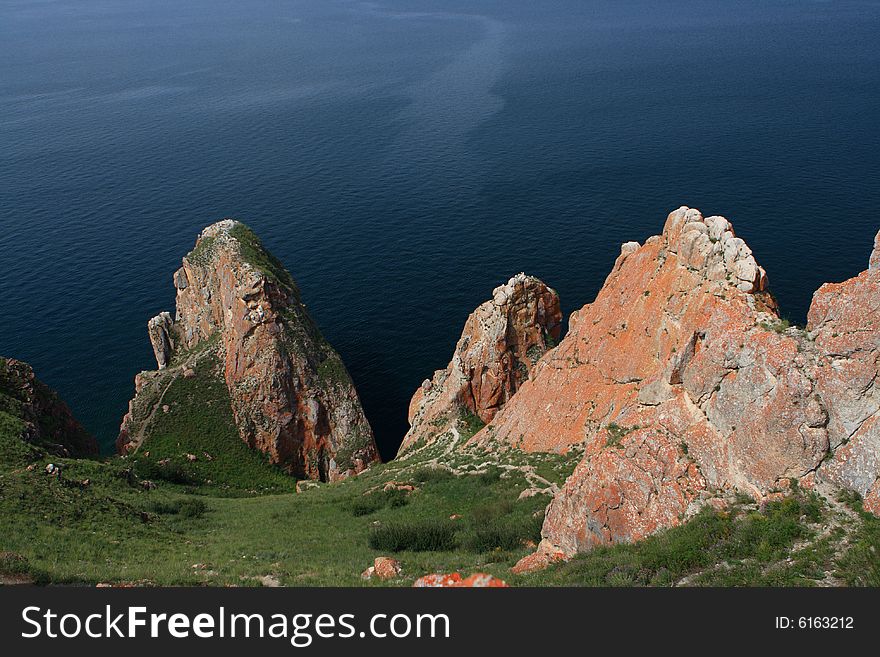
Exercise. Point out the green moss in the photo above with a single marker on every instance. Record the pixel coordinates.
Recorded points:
(332, 371)
(778, 326)
(255, 254)
(353, 444)
(203, 251)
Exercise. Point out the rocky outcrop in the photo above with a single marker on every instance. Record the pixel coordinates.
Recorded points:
(500, 344)
(383, 568)
(682, 381)
(844, 322)
(159, 330)
(290, 393)
(37, 414)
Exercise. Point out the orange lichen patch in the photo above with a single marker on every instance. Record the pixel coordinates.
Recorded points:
(624, 492)
(872, 499)
(455, 580)
(438, 580)
(546, 554)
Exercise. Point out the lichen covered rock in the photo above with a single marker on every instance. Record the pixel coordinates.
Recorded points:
(290, 393)
(681, 380)
(844, 322)
(501, 341)
(455, 580)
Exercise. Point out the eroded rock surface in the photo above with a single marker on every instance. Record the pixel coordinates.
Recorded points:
(290, 393)
(501, 341)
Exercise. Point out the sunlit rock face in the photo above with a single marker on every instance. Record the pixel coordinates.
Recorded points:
(290, 393)
(680, 381)
(500, 344)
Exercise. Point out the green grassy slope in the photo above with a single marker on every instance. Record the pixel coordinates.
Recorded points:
(99, 522)
(199, 422)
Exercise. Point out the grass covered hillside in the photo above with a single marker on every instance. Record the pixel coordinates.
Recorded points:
(117, 521)
(195, 506)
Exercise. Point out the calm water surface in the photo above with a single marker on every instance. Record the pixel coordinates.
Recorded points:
(405, 157)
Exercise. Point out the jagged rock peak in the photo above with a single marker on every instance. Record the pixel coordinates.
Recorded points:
(709, 245)
(501, 343)
(38, 414)
(682, 383)
(290, 394)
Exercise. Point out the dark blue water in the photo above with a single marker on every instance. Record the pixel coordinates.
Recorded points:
(405, 157)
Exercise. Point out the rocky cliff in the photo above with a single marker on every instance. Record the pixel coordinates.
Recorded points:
(290, 394)
(34, 413)
(681, 382)
(500, 344)
(844, 323)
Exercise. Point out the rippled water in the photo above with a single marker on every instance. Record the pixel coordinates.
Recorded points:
(405, 157)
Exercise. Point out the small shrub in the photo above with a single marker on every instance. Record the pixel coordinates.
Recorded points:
(495, 526)
(416, 537)
(490, 476)
(429, 474)
(397, 498)
(367, 504)
(489, 512)
(502, 533)
(616, 434)
(189, 507)
(174, 473)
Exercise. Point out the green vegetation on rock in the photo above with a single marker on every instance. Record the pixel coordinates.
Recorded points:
(254, 253)
(199, 423)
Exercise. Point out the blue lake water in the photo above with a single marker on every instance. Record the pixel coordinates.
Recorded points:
(404, 157)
